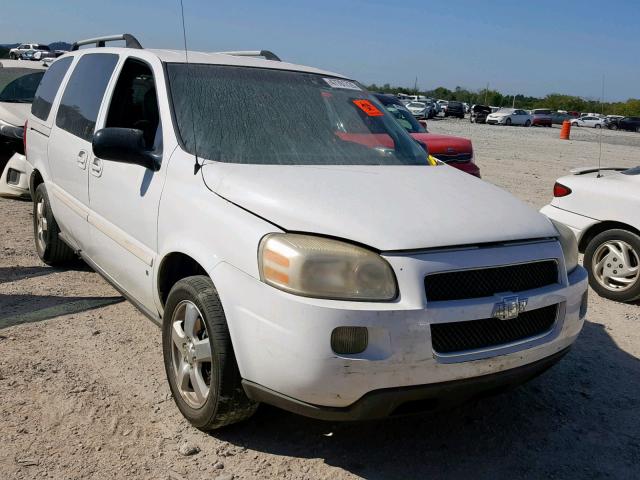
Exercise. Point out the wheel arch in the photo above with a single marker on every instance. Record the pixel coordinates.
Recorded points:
(35, 180)
(598, 228)
(174, 267)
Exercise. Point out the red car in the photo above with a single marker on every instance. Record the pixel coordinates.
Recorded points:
(542, 117)
(455, 151)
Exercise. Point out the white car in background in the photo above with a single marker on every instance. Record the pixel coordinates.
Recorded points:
(18, 84)
(510, 116)
(14, 53)
(589, 121)
(420, 109)
(602, 207)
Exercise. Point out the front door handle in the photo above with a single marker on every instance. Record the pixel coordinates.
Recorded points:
(96, 167)
(82, 159)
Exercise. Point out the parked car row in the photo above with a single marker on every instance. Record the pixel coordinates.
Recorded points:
(322, 241)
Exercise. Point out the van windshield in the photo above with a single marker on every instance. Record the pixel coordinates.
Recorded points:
(262, 116)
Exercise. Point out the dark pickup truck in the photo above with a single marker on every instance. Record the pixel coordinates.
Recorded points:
(631, 124)
(454, 109)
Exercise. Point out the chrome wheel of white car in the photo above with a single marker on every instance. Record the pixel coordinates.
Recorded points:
(191, 354)
(612, 259)
(46, 233)
(198, 357)
(615, 265)
(41, 224)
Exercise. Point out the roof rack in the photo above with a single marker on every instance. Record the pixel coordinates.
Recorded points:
(268, 55)
(131, 41)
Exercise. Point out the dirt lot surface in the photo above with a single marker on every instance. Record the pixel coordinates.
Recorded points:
(83, 391)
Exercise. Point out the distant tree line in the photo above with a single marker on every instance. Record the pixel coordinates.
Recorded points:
(553, 101)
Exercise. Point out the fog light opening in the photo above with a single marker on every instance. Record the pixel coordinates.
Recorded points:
(349, 340)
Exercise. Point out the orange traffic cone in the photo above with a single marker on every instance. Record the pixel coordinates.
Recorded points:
(565, 132)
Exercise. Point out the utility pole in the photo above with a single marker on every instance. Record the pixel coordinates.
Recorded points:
(415, 86)
(486, 92)
(513, 105)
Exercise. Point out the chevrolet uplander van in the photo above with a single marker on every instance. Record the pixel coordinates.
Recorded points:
(295, 244)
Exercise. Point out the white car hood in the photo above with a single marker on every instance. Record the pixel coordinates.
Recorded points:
(385, 207)
(14, 113)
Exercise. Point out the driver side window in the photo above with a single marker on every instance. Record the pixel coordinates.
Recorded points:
(135, 103)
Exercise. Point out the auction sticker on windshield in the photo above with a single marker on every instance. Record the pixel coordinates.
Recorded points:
(367, 107)
(339, 83)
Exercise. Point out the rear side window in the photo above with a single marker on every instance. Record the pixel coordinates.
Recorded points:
(48, 88)
(83, 95)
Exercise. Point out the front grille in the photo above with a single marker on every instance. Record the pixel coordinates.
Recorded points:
(453, 158)
(486, 282)
(491, 332)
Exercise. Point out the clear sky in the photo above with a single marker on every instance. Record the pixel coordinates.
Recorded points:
(528, 47)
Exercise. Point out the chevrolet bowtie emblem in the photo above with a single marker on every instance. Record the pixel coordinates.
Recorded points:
(509, 308)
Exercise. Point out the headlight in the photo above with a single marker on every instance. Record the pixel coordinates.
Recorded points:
(320, 267)
(569, 245)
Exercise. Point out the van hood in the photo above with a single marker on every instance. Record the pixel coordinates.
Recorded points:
(385, 207)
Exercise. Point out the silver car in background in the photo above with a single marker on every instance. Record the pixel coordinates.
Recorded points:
(510, 116)
(420, 109)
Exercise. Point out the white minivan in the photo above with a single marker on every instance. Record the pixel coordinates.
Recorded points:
(294, 243)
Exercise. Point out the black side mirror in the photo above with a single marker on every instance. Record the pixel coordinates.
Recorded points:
(124, 145)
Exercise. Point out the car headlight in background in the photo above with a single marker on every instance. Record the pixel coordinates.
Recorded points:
(569, 245)
(324, 268)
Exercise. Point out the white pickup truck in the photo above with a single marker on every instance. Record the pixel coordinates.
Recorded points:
(295, 244)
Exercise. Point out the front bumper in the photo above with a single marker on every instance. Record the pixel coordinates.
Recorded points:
(414, 399)
(14, 180)
(282, 341)
(496, 121)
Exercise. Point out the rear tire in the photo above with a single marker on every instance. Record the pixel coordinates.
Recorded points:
(614, 127)
(222, 401)
(601, 259)
(597, 125)
(46, 233)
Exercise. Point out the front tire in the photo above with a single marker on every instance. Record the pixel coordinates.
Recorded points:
(612, 259)
(527, 123)
(597, 126)
(508, 122)
(50, 247)
(198, 357)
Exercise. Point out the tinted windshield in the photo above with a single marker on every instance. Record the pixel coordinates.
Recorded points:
(405, 118)
(263, 116)
(19, 85)
(542, 112)
(416, 105)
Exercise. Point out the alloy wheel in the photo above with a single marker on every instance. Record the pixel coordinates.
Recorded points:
(615, 265)
(191, 354)
(41, 224)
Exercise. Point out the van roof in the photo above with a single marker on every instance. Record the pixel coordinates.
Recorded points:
(210, 58)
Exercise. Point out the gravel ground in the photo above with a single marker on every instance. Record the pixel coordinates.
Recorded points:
(83, 392)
